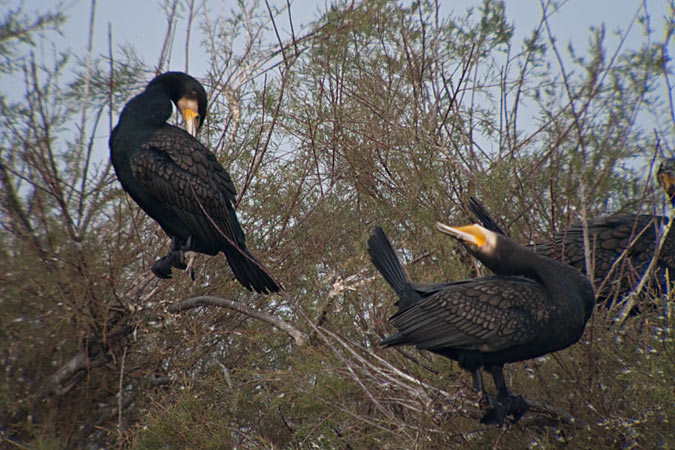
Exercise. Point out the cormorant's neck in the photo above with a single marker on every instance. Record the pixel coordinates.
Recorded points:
(514, 259)
(150, 108)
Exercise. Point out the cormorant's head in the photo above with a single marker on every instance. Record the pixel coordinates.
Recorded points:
(495, 251)
(666, 178)
(478, 240)
(187, 94)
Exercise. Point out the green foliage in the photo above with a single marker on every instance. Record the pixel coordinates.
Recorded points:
(18, 32)
(187, 421)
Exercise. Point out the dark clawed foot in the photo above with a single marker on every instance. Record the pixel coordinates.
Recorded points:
(515, 406)
(177, 259)
(162, 268)
(496, 412)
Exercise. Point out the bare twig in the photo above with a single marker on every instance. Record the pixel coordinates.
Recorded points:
(121, 391)
(290, 22)
(276, 31)
(339, 286)
(168, 39)
(208, 300)
(85, 102)
(629, 302)
(190, 17)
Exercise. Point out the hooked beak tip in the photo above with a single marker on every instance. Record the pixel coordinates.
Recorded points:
(190, 118)
(470, 234)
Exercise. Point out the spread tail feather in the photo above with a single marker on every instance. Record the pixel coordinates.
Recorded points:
(385, 260)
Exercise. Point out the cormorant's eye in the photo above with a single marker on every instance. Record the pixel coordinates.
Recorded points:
(197, 118)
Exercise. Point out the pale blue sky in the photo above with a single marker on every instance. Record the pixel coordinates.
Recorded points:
(142, 23)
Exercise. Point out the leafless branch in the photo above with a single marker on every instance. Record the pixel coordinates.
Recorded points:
(120, 391)
(629, 302)
(165, 53)
(188, 31)
(208, 300)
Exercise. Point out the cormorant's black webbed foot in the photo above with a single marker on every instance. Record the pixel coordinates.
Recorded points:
(496, 412)
(175, 258)
(515, 405)
(506, 404)
(162, 268)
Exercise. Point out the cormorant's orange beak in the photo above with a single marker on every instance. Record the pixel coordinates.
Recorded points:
(469, 234)
(191, 119)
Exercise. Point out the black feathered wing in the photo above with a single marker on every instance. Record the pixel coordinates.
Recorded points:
(485, 314)
(195, 197)
(189, 186)
(609, 237)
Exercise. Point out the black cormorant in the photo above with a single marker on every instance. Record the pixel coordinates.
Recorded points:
(666, 178)
(178, 182)
(608, 238)
(534, 306)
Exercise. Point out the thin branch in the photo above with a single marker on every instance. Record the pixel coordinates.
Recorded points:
(290, 22)
(208, 300)
(276, 31)
(630, 300)
(190, 17)
(83, 120)
(121, 391)
(263, 151)
(166, 46)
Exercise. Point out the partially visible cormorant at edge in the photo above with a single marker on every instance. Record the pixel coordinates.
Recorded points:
(532, 307)
(666, 178)
(178, 182)
(609, 238)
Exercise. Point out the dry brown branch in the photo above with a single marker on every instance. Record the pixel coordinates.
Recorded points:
(120, 391)
(349, 365)
(92, 355)
(165, 53)
(338, 287)
(68, 375)
(188, 31)
(207, 300)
